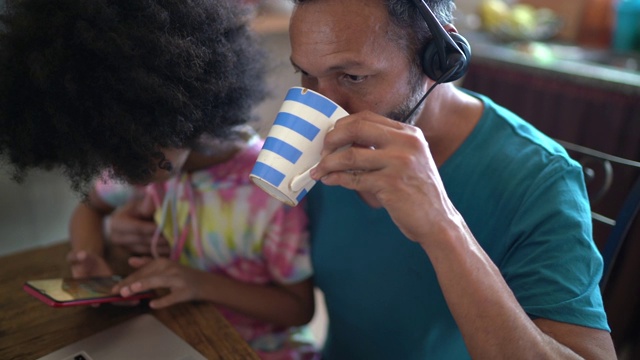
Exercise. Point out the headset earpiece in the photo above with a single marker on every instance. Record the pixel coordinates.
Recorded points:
(436, 69)
(446, 56)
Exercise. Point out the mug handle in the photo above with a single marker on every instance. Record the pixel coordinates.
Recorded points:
(301, 180)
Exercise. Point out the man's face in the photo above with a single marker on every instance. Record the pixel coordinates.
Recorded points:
(343, 50)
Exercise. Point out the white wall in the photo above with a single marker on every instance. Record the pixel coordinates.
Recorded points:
(35, 212)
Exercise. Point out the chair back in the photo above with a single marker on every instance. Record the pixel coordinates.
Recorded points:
(613, 184)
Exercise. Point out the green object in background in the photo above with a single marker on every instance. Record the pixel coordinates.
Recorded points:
(626, 35)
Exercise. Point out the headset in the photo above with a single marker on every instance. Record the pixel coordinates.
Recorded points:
(446, 56)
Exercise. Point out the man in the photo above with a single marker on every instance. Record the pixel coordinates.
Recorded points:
(463, 234)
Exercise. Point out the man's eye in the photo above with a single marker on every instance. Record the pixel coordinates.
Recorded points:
(354, 78)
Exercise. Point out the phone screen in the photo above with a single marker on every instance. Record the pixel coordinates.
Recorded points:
(68, 291)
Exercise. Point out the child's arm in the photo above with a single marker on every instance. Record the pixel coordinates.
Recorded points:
(286, 305)
(87, 238)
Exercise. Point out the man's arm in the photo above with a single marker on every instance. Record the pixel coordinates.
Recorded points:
(491, 320)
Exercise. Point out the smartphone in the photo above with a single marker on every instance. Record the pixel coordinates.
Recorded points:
(61, 292)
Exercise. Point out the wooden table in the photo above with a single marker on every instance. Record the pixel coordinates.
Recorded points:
(30, 329)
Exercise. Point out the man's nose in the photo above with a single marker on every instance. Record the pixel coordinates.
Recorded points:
(332, 92)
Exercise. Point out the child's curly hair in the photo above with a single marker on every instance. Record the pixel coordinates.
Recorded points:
(94, 85)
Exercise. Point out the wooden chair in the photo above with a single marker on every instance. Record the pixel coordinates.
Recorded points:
(613, 184)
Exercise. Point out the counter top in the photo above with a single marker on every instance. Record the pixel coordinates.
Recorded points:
(484, 50)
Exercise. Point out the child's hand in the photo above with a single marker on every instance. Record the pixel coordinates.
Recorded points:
(132, 227)
(182, 282)
(85, 264)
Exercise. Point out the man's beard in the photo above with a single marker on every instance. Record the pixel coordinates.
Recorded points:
(401, 111)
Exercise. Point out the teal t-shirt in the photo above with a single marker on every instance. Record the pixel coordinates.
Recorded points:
(524, 201)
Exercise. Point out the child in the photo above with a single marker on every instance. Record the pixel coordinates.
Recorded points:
(157, 93)
(231, 244)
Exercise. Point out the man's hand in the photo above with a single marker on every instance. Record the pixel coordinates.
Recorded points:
(391, 165)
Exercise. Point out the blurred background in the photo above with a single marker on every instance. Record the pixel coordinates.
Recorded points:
(571, 68)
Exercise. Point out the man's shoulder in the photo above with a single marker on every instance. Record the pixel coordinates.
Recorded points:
(506, 133)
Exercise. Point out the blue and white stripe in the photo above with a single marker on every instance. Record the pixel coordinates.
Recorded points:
(296, 131)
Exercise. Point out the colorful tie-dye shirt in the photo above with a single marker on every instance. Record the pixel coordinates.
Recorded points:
(241, 232)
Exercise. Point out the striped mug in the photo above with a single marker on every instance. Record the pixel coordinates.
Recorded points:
(294, 143)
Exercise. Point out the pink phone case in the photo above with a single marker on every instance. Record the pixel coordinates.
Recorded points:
(97, 300)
